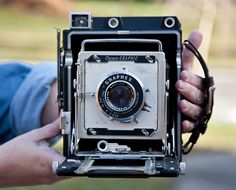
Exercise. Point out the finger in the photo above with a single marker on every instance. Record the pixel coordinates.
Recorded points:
(195, 38)
(192, 79)
(47, 132)
(49, 156)
(191, 93)
(190, 110)
(53, 155)
(187, 126)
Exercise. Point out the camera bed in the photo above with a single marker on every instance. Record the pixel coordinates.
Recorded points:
(120, 166)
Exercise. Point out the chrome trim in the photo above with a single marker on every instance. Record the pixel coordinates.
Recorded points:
(125, 40)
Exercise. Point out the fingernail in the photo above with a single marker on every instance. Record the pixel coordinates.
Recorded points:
(199, 99)
(181, 85)
(187, 126)
(184, 75)
(178, 84)
(183, 105)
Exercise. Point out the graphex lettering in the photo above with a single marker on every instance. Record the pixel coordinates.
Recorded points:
(117, 77)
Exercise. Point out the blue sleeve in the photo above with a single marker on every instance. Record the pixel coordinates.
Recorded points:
(12, 74)
(28, 102)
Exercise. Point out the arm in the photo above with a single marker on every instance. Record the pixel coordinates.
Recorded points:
(50, 109)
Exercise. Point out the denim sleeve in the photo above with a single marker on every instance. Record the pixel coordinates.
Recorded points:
(28, 102)
(12, 74)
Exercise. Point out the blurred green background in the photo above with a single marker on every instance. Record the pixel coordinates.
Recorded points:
(27, 33)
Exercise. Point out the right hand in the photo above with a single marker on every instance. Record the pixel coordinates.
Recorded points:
(191, 87)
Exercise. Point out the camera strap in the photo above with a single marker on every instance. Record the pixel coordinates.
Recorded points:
(208, 81)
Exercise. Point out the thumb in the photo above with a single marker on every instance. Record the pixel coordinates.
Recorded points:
(46, 132)
(196, 39)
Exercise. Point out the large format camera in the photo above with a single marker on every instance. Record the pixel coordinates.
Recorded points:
(117, 96)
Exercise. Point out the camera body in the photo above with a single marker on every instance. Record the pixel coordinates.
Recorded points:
(116, 93)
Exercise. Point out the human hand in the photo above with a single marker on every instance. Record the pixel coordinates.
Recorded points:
(190, 86)
(27, 159)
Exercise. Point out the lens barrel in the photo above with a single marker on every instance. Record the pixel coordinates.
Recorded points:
(120, 96)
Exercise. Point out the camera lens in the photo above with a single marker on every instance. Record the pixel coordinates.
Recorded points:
(120, 96)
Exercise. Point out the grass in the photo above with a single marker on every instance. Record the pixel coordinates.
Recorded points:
(104, 184)
(31, 37)
(218, 137)
(25, 37)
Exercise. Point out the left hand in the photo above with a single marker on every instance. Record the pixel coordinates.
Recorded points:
(27, 159)
(190, 86)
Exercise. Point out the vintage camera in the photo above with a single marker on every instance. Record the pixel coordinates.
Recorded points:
(116, 92)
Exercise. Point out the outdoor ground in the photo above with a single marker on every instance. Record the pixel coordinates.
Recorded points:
(31, 37)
